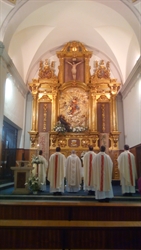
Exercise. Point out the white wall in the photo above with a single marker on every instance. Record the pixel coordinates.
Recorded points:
(132, 115)
(14, 108)
(120, 117)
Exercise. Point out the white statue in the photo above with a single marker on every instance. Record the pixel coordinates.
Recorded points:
(73, 69)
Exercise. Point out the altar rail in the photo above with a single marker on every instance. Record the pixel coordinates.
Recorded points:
(75, 225)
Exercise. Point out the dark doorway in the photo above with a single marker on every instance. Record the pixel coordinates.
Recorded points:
(9, 145)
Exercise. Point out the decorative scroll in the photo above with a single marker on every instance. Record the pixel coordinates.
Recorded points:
(44, 121)
(45, 117)
(103, 117)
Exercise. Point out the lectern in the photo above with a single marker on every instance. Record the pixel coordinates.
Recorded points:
(21, 175)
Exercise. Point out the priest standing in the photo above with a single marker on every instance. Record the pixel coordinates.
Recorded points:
(102, 177)
(73, 173)
(40, 170)
(128, 173)
(56, 172)
(88, 170)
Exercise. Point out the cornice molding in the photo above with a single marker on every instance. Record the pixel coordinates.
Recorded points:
(132, 79)
(19, 83)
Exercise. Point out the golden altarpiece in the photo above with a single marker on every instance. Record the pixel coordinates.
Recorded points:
(86, 102)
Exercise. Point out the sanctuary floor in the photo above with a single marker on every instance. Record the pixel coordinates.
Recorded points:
(6, 193)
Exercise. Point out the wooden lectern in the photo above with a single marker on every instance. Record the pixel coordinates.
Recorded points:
(21, 175)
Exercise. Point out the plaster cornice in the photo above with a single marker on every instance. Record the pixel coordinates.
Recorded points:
(132, 79)
(19, 83)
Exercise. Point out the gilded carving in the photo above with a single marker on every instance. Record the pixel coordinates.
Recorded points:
(116, 171)
(44, 116)
(34, 87)
(33, 138)
(62, 142)
(54, 138)
(74, 49)
(76, 99)
(75, 54)
(44, 98)
(95, 139)
(103, 117)
(103, 98)
(46, 70)
(114, 137)
(85, 143)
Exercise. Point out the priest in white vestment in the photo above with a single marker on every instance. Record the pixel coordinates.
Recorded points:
(40, 170)
(102, 176)
(73, 173)
(88, 170)
(56, 172)
(127, 170)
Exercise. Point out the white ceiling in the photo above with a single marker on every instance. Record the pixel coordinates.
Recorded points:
(35, 29)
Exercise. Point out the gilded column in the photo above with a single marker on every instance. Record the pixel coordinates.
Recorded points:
(87, 70)
(61, 70)
(114, 114)
(111, 114)
(34, 112)
(45, 117)
(103, 117)
(94, 113)
(90, 112)
(34, 91)
(53, 121)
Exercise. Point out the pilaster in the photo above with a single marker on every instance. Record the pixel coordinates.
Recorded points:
(3, 75)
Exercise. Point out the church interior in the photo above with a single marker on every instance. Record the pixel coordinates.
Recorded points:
(70, 77)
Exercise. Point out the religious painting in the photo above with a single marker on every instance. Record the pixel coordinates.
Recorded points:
(74, 106)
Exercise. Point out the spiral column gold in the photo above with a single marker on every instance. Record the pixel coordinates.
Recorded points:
(34, 112)
(61, 70)
(94, 113)
(54, 105)
(114, 113)
(87, 70)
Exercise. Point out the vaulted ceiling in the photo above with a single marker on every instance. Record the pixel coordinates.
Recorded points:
(34, 30)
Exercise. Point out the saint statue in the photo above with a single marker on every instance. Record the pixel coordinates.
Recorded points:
(73, 69)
